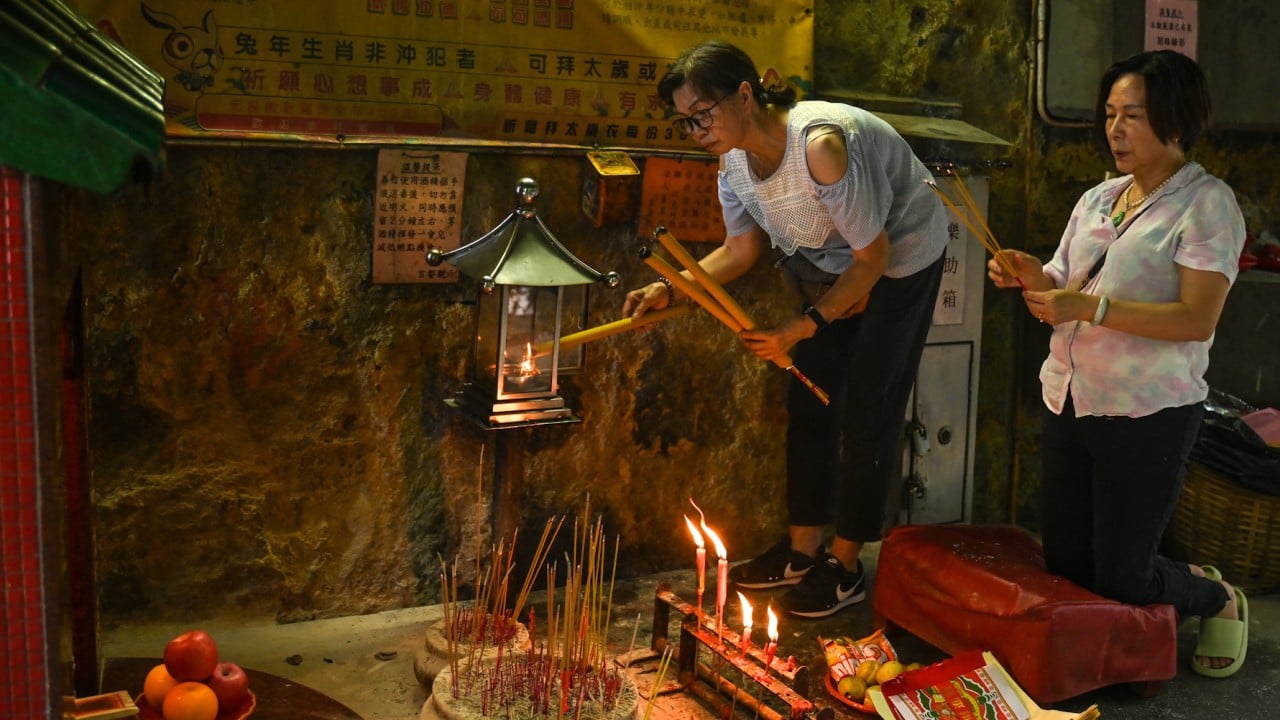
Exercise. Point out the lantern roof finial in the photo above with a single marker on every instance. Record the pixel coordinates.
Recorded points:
(521, 251)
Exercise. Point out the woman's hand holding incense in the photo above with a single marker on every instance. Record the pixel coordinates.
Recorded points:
(774, 343)
(1059, 306)
(1030, 271)
(653, 296)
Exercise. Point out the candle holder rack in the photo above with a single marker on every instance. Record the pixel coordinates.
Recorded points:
(785, 684)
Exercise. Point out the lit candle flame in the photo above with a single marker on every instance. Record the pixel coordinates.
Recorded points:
(701, 555)
(746, 613)
(697, 536)
(715, 540)
(771, 647)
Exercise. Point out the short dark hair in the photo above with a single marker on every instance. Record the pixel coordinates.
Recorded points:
(1178, 103)
(716, 68)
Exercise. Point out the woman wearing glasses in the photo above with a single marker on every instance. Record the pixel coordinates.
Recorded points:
(862, 238)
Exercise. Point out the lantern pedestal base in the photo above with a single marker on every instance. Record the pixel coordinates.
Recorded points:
(525, 412)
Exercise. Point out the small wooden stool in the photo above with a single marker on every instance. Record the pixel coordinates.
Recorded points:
(961, 587)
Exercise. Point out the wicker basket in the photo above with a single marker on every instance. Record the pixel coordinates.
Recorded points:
(1220, 523)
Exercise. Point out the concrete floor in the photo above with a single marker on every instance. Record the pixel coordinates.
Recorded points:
(367, 662)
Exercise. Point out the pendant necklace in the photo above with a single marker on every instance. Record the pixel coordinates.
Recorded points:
(1119, 217)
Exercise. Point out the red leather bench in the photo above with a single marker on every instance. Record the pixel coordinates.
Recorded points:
(961, 587)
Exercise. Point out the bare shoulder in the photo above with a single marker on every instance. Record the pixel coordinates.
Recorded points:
(826, 154)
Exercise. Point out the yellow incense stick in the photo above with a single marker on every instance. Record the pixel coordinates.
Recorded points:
(690, 288)
(715, 289)
(729, 305)
(613, 328)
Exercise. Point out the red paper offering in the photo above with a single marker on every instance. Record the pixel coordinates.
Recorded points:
(971, 686)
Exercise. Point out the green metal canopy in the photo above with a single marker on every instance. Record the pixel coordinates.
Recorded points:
(75, 107)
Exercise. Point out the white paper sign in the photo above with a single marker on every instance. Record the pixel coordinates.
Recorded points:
(1172, 25)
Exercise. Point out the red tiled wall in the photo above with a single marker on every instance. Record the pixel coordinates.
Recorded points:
(22, 648)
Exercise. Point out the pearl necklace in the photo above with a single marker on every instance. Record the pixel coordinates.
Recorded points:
(1119, 217)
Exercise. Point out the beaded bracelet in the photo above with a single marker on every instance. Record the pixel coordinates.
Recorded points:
(671, 290)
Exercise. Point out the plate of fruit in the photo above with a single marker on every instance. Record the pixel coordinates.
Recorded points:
(193, 684)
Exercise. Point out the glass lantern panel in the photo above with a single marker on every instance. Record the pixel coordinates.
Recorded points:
(530, 328)
(573, 318)
(484, 364)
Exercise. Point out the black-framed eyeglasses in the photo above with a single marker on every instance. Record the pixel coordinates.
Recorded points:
(700, 120)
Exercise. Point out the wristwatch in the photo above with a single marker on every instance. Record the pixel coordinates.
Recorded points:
(816, 317)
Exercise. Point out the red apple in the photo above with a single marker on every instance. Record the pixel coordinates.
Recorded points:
(191, 657)
(230, 683)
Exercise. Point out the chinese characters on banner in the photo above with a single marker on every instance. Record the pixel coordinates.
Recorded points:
(1172, 25)
(680, 194)
(575, 72)
(418, 205)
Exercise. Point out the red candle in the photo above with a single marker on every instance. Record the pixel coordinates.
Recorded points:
(771, 647)
(722, 572)
(701, 555)
(746, 621)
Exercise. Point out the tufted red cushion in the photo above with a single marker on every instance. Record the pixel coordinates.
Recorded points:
(961, 587)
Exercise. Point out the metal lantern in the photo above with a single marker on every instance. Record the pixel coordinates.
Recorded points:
(527, 279)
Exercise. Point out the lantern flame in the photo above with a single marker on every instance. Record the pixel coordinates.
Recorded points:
(527, 366)
(697, 536)
(773, 625)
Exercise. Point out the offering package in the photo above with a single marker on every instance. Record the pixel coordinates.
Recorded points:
(971, 686)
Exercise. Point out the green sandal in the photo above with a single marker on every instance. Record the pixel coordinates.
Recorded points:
(1220, 637)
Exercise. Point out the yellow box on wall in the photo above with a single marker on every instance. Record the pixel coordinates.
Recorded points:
(609, 187)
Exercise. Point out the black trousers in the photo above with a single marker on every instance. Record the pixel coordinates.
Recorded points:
(867, 364)
(1108, 486)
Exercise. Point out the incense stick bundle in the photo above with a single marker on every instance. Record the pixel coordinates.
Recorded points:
(715, 300)
(690, 288)
(971, 216)
(703, 278)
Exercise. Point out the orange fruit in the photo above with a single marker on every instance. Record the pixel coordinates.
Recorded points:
(158, 684)
(190, 701)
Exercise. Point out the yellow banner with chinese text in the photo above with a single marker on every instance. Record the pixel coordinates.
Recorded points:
(576, 72)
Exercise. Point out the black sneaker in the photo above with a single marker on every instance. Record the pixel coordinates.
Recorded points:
(825, 590)
(777, 567)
